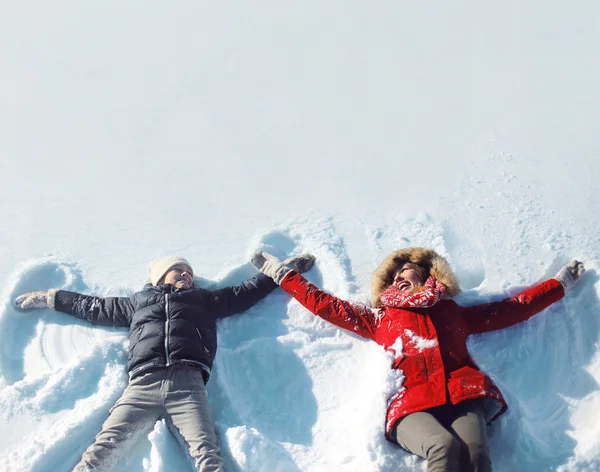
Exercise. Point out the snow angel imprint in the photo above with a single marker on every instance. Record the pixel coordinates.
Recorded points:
(446, 401)
(172, 347)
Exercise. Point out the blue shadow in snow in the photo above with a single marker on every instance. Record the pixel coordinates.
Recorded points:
(18, 326)
(63, 455)
(259, 381)
(84, 379)
(537, 365)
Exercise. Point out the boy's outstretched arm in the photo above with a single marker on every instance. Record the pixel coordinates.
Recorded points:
(110, 311)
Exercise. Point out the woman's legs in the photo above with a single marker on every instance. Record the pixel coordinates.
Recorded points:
(468, 423)
(422, 434)
(450, 437)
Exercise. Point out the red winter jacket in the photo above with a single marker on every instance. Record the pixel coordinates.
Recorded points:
(441, 369)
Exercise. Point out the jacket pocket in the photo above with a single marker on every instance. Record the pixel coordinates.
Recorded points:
(203, 345)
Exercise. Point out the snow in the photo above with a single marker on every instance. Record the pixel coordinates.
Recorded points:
(420, 343)
(396, 347)
(344, 129)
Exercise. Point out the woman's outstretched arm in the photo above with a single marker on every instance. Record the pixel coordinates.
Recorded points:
(521, 307)
(356, 318)
(353, 317)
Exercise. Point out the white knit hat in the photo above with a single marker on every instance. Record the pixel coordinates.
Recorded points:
(161, 266)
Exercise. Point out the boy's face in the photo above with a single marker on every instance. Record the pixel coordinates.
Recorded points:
(180, 276)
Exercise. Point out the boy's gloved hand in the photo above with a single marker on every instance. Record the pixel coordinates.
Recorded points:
(276, 269)
(570, 274)
(36, 300)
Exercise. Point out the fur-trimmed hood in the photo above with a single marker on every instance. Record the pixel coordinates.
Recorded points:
(438, 267)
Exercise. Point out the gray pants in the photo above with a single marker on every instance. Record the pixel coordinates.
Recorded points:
(175, 393)
(452, 438)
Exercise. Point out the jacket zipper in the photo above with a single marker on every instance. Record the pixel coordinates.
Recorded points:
(167, 329)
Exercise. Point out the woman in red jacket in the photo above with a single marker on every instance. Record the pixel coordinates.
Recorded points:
(442, 409)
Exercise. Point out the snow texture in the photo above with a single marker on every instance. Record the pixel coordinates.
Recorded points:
(420, 343)
(135, 130)
(397, 347)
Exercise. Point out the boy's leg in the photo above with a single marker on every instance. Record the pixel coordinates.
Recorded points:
(422, 434)
(468, 423)
(133, 415)
(190, 419)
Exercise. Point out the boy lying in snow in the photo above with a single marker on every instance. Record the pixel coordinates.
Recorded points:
(172, 345)
(445, 402)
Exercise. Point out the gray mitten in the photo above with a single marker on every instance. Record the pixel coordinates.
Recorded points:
(270, 265)
(570, 274)
(301, 263)
(36, 300)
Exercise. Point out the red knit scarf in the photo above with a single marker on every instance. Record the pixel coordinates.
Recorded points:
(425, 297)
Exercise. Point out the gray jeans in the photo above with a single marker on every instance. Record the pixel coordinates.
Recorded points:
(452, 438)
(175, 393)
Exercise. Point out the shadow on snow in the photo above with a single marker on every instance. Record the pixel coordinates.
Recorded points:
(539, 365)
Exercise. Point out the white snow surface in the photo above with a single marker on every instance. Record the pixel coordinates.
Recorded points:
(133, 130)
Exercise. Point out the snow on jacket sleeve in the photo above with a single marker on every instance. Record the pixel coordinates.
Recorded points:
(355, 318)
(109, 311)
(508, 312)
(231, 300)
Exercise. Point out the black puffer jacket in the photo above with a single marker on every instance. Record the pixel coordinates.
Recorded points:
(167, 326)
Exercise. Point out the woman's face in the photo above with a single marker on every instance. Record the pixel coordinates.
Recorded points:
(406, 279)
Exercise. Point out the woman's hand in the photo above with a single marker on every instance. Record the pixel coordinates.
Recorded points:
(36, 300)
(570, 274)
